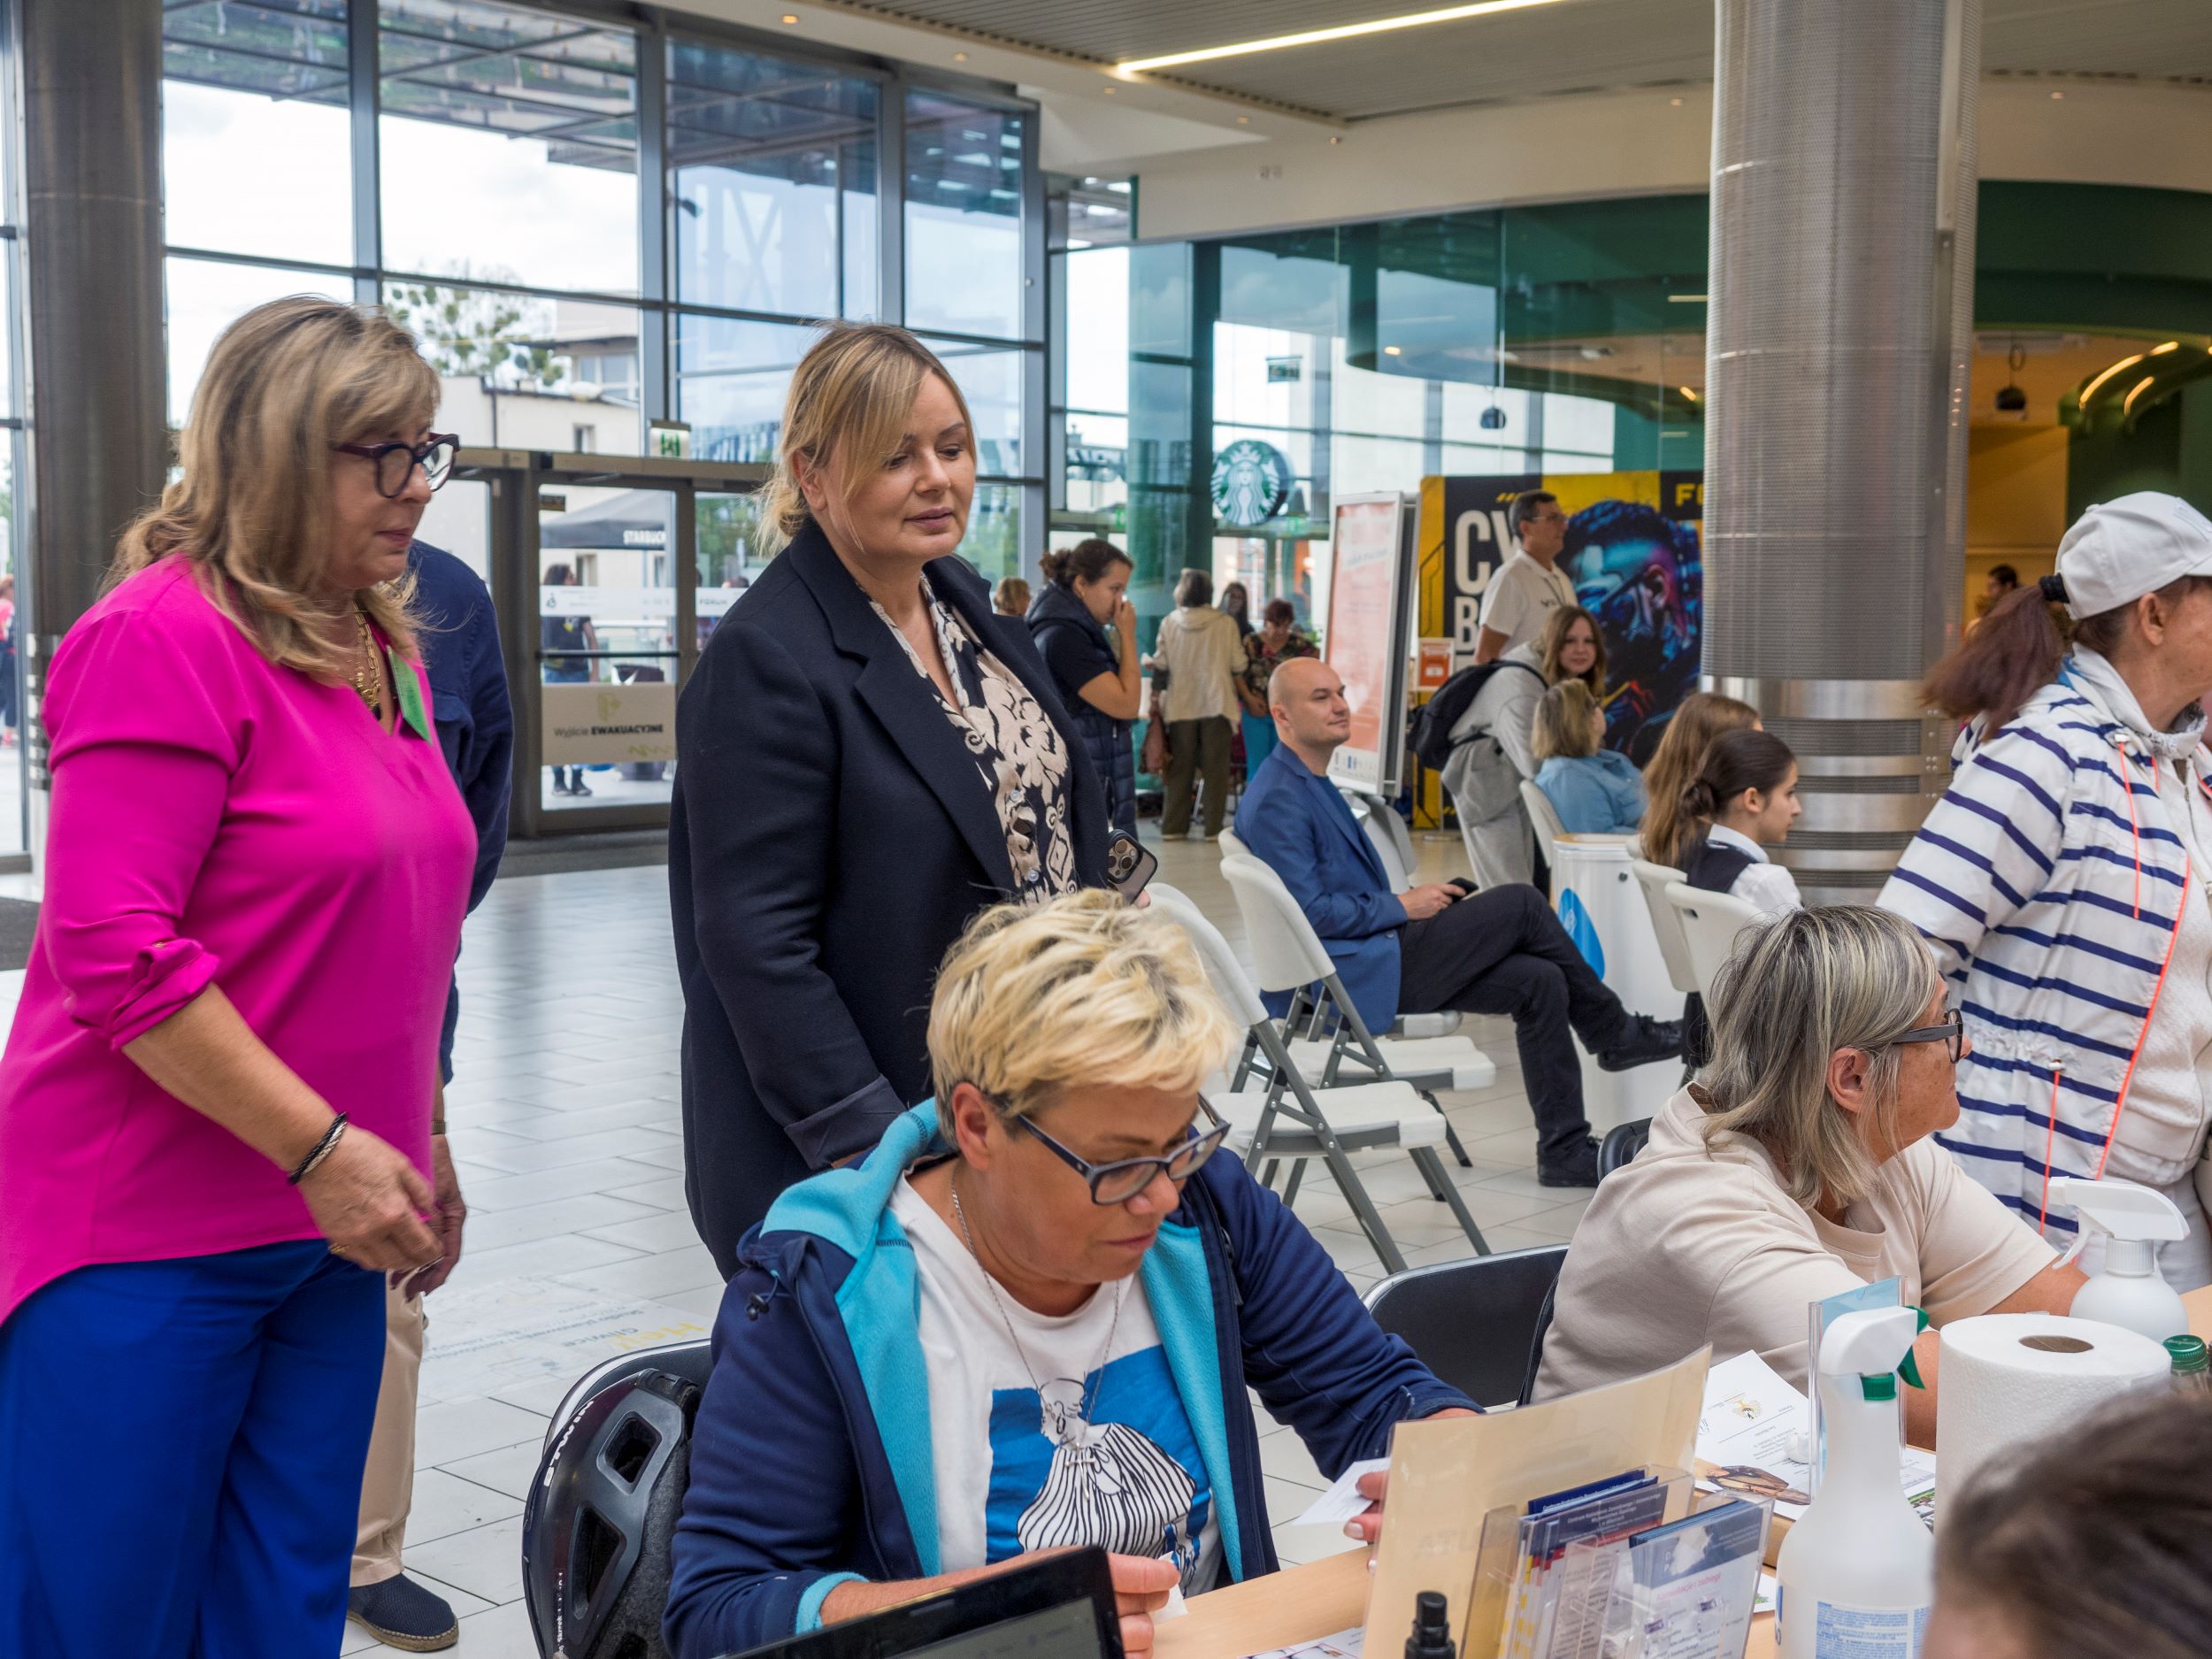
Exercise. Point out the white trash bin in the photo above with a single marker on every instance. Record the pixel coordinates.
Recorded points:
(1596, 893)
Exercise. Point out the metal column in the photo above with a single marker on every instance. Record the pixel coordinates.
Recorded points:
(92, 266)
(1839, 322)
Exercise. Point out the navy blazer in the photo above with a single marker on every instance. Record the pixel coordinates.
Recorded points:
(1299, 823)
(828, 841)
(475, 722)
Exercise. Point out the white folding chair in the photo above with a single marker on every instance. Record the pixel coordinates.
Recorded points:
(1674, 949)
(1386, 834)
(1542, 814)
(1712, 923)
(1290, 1118)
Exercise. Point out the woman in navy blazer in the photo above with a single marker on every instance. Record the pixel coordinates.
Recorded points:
(866, 756)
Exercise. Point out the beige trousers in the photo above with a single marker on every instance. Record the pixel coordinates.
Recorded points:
(388, 1484)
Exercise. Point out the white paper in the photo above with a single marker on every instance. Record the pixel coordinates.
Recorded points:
(1345, 1644)
(1756, 1423)
(1175, 1606)
(1342, 1501)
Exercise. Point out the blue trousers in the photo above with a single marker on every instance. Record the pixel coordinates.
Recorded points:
(180, 1453)
(1259, 742)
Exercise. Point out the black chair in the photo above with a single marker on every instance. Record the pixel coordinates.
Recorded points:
(601, 1513)
(1620, 1145)
(1478, 1323)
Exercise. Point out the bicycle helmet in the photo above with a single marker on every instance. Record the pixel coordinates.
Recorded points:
(597, 1529)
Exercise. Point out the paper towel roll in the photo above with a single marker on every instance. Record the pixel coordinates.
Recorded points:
(2012, 1380)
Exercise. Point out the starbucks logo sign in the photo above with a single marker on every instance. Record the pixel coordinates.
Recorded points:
(1250, 484)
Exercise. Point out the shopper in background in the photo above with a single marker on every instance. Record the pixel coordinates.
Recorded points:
(1800, 1167)
(1097, 675)
(1277, 642)
(1498, 951)
(563, 644)
(1703, 717)
(1530, 582)
(1491, 743)
(1742, 802)
(1202, 652)
(475, 726)
(1011, 598)
(2061, 877)
(2097, 1545)
(216, 1101)
(10, 690)
(1236, 604)
(867, 757)
(1595, 790)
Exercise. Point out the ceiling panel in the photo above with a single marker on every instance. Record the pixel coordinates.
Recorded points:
(1578, 45)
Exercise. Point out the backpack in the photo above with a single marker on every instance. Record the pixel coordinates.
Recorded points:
(1431, 734)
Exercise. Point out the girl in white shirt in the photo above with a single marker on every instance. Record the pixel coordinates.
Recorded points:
(1743, 801)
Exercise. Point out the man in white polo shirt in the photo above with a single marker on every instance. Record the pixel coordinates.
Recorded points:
(1530, 583)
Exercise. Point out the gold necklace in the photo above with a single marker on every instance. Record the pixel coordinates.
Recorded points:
(367, 683)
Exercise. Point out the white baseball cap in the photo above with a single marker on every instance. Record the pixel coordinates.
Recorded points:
(2120, 549)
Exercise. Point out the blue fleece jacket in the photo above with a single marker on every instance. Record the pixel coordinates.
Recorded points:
(811, 1460)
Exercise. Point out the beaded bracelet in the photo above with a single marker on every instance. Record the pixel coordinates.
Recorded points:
(322, 1149)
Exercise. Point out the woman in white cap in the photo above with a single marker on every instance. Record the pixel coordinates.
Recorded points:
(2063, 878)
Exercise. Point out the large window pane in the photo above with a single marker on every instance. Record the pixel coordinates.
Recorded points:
(993, 542)
(991, 380)
(266, 82)
(205, 297)
(964, 227)
(730, 382)
(519, 371)
(509, 145)
(772, 166)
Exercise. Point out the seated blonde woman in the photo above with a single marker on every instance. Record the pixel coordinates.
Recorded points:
(1595, 790)
(1030, 1319)
(1802, 1166)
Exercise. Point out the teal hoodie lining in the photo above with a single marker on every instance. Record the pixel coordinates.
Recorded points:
(879, 1305)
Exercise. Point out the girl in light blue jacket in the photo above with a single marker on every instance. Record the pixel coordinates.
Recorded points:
(1595, 790)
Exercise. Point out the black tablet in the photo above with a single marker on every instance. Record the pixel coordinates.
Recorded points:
(1055, 1606)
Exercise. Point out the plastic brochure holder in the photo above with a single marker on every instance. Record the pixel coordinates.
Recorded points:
(1544, 1571)
(1686, 1590)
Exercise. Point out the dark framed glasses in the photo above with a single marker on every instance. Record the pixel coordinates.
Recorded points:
(396, 463)
(1121, 1180)
(1952, 1030)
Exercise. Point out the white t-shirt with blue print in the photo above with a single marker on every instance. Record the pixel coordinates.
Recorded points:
(1017, 1472)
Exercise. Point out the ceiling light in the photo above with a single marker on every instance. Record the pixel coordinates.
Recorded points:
(1342, 32)
(1689, 393)
(1393, 352)
(1675, 102)
(2127, 404)
(791, 17)
(960, 57)
(1244, 120)
(2089, 390)
(2055, 95)
(2171, 345)
(1110, 92)
(1685, 299)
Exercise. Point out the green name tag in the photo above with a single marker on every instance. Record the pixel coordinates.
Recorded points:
(410, 694)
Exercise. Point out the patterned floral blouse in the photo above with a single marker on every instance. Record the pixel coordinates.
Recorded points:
(1018, 753)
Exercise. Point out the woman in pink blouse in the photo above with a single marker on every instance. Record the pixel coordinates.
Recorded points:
(215, 1104)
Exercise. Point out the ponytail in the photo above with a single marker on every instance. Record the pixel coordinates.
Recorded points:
(2012, 654)
(1736, 762)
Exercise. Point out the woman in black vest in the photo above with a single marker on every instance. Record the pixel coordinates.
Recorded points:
(866, 756)
(1743, 800)
(1082, 598)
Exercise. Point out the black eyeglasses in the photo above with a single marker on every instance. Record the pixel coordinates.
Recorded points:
(1121, 1180)
(396, 463)
(1952, 1030)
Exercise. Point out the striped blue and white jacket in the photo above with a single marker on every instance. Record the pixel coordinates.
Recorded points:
(2049, 880)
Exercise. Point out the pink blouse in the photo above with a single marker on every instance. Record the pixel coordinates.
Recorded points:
(217, 819)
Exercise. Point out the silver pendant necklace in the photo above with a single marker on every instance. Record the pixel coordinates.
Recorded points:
(1078, 1444)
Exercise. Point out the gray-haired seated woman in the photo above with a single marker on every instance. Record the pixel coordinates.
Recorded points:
(1801, 1165)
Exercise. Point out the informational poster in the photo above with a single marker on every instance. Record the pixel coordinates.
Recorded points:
(604, 724)
(1633, 553)
(1367, 641)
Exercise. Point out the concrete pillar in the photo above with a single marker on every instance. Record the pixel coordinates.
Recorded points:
(92, 241)
(1839, 322)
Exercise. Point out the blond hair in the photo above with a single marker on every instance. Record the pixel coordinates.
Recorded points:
(1562, 723)
(252, 506)
(1552, 640)
(849, 401)
(1032, 1000)
(1675, 763)
(1794, 991)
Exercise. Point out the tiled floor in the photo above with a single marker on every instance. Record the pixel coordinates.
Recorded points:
(564, 1116)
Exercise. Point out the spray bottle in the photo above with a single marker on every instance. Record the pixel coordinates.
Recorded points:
(1857, 1570)
(2128, 1293)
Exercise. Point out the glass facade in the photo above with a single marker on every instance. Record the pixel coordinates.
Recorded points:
(592, 224)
